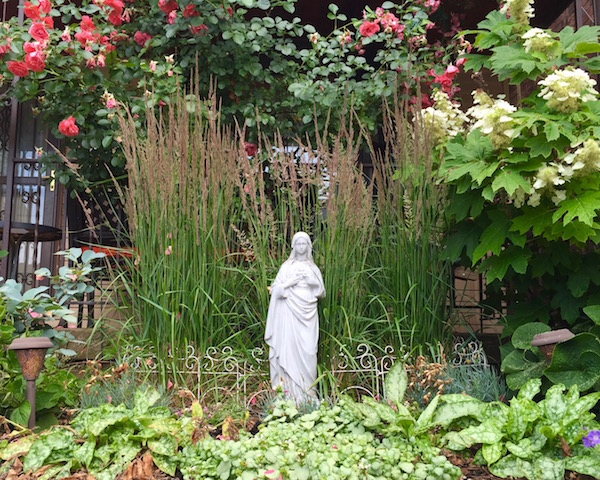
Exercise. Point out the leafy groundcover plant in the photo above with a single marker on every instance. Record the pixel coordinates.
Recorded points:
(535, 440)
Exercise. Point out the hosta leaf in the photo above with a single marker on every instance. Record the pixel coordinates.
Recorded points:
(522, 449)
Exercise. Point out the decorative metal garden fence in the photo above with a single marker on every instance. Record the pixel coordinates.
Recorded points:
(218, 374)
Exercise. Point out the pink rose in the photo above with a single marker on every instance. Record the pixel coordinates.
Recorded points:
(141, 38)
(45, 6)
(198, 29)
(171, 17)
(68, 128)
(49, 21)
(66, 35)
(369, 28)
(461, 61)
(38, 31)
(167, 6)
(190, 11)
(18, 69)
(31, 11)
(100, 60)
(111, 103)
(451, 71)
(35, 61)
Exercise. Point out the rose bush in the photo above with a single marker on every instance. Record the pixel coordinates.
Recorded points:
(82, 59)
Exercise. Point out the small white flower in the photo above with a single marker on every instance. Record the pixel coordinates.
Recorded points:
(559, 196)
(520, 10)
(444, 119)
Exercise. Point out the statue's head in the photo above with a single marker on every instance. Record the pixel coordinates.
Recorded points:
(301, 238)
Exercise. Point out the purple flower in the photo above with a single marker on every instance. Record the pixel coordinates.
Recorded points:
(591, 439)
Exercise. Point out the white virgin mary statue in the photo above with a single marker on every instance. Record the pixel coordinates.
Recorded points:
(292, 332)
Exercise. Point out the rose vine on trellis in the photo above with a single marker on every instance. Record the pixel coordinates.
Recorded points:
(79, 62)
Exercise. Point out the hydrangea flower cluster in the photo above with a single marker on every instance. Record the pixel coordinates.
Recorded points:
(538, 40)
(583, 161)
(519, 10)
(565, 90)
(493, 118)
(444, 119)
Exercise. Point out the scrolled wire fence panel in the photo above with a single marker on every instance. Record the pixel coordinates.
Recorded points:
(221, 373)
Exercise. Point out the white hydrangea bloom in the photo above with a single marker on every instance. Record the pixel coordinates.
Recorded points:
(548, 176)
(537, 40)
(559, 196)
(534, 199)
(493, 118)
(565, 90)
(444, 119)
(586, 159)
(519, 10)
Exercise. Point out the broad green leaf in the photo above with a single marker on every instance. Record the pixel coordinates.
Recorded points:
(395, 384)
(508, 467)
(17, 448)
(547, 468)
(85, 453)
(510, 180)
(492, 452)
(555, 405)
(424, 421)
(455, 406)
(37, 455)
(530, 370)
(493, 237)
(570, 39)
(576, 361)
(166, 464)
(164, 445)
(523, 335)
(583, 207)
(586, 465)
(21, 414)
(593, 311)
(530, 389)
(496, 266)
(485, 432)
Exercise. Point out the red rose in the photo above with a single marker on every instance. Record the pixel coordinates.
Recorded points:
(38, 31)
(368, 28)
(31, 11)
(87, 24)
(190, 11)
(18, 69)
(49, 21)
(167, 6)
(142, 38)
(250, 148)
(114, 18)
(68, 128)
(45, 6)
(35, 61)
(198, 29)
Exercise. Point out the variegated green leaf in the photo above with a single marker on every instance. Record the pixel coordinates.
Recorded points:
(586, 465)
(493, 452)
(395, 384)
